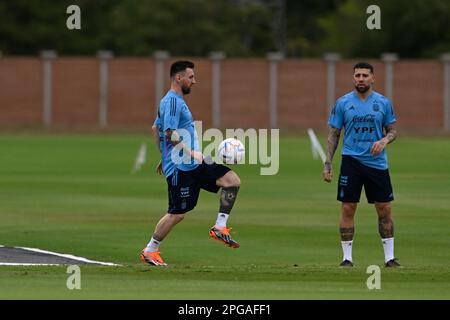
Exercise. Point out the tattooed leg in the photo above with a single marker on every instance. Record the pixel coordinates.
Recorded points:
(346, 226)
(347, 233)
(385, 222)
(386, 230)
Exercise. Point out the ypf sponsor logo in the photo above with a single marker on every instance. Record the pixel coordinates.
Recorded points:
(364, 129)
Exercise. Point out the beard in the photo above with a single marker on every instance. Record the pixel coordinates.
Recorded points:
(185, 89)
(362, 89)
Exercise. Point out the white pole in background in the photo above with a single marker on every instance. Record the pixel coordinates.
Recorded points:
(445, 58)
(160, 58)
(216, 58)
(331, 59)
(103, 56)
(47, 85)
(274, 58)
(389, 59)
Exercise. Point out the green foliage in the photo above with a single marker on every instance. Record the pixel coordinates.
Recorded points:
(411, 28)
(304, 31)
(131, 27)
(240, 28)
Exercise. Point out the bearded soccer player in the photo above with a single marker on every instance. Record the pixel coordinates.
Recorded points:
(369, 121)
(183, 166)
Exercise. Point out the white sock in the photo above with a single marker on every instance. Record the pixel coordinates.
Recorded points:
(152, 246)
(388, 247)
(347, 249)
(222, 220)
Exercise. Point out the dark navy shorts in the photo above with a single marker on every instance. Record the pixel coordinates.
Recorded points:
(184, 186)
(354, 175)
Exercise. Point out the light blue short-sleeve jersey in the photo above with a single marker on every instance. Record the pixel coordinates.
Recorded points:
(174, 114)
(363, 122)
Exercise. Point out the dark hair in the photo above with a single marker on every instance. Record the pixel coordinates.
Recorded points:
(180, 66)
(363, 65)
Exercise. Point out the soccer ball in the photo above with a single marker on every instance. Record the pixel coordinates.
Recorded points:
(231, 151)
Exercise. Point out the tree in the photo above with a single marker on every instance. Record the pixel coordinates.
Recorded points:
(304, 33)
(133, 27)
(411, 28)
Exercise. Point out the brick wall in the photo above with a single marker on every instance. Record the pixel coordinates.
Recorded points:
(418, 94)
(302, 92)
(131, 93)
(20, 91)
(75, 91)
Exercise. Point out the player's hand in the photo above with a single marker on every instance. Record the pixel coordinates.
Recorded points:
(378, 147)
(159, 168)
(327, 173)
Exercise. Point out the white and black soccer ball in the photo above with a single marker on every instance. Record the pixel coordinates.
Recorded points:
(231, 151)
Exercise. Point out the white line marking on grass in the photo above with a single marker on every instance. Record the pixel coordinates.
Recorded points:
(67, 256)
(27, 264)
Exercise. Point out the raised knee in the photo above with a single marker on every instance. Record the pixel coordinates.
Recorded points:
(231, 179)
(236, 181)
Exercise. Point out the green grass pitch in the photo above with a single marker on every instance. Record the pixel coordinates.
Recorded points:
(74, 194)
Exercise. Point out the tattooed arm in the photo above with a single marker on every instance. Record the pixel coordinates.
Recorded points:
(391, 134)
(332, 143)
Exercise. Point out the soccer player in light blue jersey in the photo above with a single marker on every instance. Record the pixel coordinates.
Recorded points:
(183, 166)
(368, 120)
